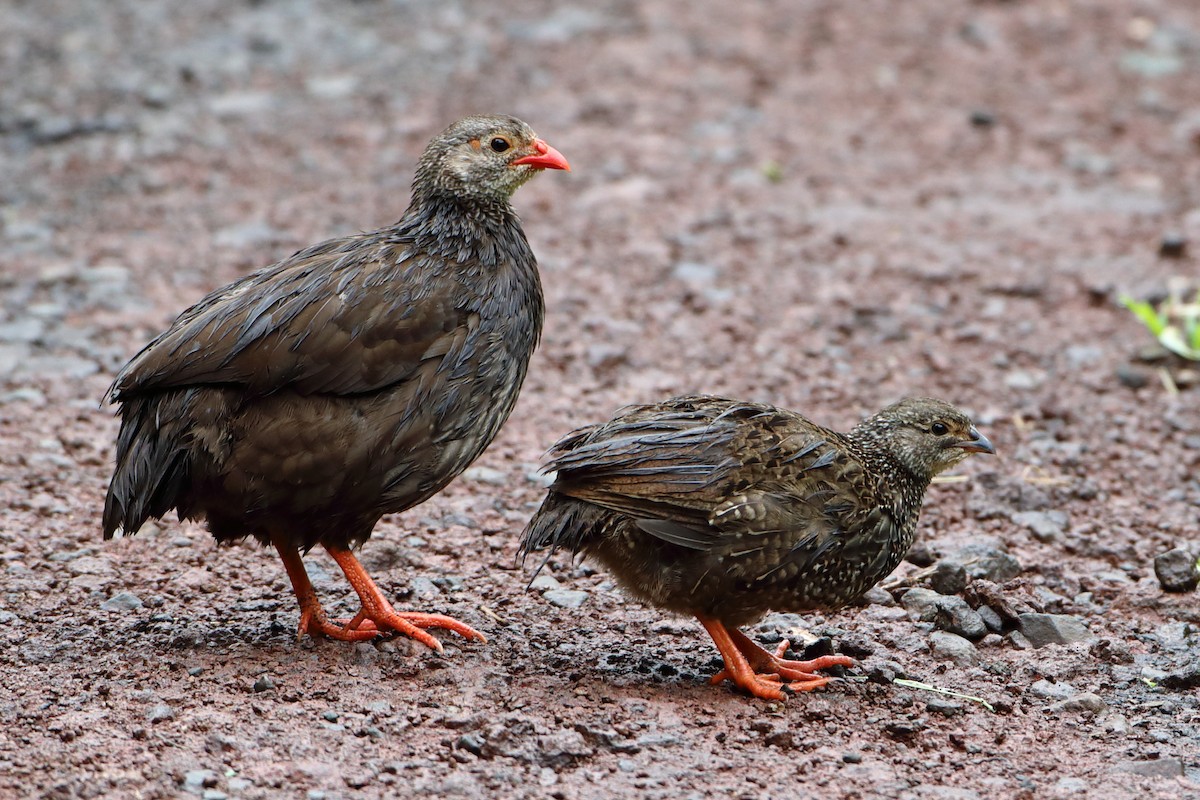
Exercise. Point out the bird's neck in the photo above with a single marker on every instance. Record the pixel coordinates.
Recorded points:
(903, 480)
(462, 229)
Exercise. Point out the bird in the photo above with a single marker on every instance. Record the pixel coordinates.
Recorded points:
(727, 509)
(356, 378)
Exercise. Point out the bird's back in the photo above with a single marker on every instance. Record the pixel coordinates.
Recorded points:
(722, 507)
(353, 379)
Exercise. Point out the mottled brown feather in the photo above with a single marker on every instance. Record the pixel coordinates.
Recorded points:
(727, 509)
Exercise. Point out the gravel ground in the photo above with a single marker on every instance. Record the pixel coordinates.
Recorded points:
(821, 205)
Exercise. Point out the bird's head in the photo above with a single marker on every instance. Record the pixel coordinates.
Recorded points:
(483, 158)
(925, 435)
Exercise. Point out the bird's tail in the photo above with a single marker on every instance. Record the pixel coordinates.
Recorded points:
(561, 523)
(152, 461)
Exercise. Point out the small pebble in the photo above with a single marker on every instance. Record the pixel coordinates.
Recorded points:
(1172, 245)
(565, 598)
(264, 683)
(1086, 702)
(944, 706)
(1177, 570)
(952, 647)
(160, 713)
(1156, 768)
(949, 577)
(122, 601)
(1046, 629)
(1046, 526)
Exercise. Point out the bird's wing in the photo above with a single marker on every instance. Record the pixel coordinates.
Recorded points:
(707, 473)
(295, 324)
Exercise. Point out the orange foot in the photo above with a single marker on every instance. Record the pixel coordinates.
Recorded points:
(763, 674)
(376, 618)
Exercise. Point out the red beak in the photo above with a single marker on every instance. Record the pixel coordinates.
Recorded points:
(547, 157)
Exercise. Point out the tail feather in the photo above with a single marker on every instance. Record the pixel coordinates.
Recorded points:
(561, 523)
(152, 461)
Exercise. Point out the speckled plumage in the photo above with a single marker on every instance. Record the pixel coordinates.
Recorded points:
(727, 509)
(353, 379)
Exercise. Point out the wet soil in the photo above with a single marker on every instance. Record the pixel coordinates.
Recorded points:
(821, 205)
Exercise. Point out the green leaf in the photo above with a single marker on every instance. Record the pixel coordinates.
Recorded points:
(1146, 313)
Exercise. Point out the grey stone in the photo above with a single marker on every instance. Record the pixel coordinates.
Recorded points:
(949, 577)
(947, 612)
(987, 560)
(991, 619)
(878, 596)
(956, 616)
(565, 598)
(944, 706)
(196, 779)
(1050, 690)
(122, 601)
(264, 683)
(1177, 570)
(694, 273)
(1071, 786)
(1087, 702)
(1046, 526)
(1045, 629)
(160, 713)
(917, 602)
(488, 475)
(952, 647)
(1157, 768)
(544, 583)
(422, 587)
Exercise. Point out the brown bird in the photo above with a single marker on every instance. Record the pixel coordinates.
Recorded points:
(357, 378)
(724, 510)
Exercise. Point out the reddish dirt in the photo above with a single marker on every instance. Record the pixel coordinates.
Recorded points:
(822, 205)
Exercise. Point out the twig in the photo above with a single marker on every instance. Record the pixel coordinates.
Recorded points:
(1168, 381)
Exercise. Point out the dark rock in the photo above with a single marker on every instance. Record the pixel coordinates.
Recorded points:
(1133, 377)
(944, 706)
(1172, 245)
(1182, 679)
(948, 577)
(1044, 629)
(1178, 570)
(982, 118)
(987, 560)
(947, 612)
(471, 742)
(991, 619)
(921, 555)
(264, 683)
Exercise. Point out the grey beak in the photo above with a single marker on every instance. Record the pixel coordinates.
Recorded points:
(978, 443)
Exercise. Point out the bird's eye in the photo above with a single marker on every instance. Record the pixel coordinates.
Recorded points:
(939, 429)
(499, 144)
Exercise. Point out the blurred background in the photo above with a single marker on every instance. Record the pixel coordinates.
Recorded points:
(820, 204)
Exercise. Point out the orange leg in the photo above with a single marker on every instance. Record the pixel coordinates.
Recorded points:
(313, 619)
(762, 673)
(377, 614)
